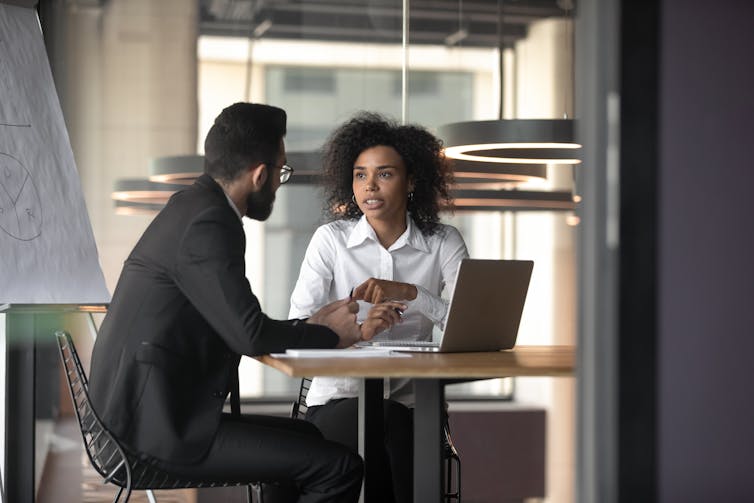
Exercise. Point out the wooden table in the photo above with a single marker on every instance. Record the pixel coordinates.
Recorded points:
(431, 372)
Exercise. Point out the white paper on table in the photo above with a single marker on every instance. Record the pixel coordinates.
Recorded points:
(341, 353)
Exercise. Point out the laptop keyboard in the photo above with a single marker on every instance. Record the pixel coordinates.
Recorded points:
(405, 343)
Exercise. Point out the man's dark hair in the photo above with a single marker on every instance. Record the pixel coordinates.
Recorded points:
(243, 133)
(422, 155)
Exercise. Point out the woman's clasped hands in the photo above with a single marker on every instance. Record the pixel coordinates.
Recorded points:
(388, 308)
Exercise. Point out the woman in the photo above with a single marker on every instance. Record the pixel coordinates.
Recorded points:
(386, 248)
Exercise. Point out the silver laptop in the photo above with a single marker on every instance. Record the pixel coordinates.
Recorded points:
(485, 309)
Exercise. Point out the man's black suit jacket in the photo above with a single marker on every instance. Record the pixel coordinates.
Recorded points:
(181, 316)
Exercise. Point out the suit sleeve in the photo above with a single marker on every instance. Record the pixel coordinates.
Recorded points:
(210, 271)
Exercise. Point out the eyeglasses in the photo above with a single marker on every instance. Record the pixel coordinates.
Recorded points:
(285, 173)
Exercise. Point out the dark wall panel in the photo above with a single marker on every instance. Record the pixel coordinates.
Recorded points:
(502, 454)
(706, 251)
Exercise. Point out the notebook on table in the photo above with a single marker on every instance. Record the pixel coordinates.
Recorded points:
(485, 309)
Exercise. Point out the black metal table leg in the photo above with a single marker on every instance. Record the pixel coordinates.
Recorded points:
(371, 433)
(428, 422)
(20, 408)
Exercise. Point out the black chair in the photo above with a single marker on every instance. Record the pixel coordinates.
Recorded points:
(450, 454)
(112, 461)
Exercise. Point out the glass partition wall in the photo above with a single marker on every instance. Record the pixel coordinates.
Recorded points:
(140, 80)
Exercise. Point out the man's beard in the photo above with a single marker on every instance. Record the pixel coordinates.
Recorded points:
(259, 204)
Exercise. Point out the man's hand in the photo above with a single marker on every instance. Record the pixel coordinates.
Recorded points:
(340, 317)
(376, 290)
(381, 317)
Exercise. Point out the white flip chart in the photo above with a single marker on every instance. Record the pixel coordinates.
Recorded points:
(47, 249)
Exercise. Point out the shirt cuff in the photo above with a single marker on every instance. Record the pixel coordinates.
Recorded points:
(433, 307)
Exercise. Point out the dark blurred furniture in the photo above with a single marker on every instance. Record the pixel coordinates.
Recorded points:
(450, 454)
(430, 372)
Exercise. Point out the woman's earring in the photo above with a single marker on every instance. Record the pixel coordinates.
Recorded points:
(411, 196)
(353, 198)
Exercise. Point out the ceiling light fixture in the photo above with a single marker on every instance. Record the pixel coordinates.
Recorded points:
(512, 200)
(144, 191)
(511, 141)
(129, 208)
(177, 169)
(527, 141)
(484, 175)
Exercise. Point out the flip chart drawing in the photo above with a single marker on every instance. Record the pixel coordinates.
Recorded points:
(20, 207)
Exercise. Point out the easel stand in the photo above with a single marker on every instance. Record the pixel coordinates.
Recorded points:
(28, 329)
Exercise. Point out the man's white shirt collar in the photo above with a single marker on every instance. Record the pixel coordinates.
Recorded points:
(411, 237)
(233, 205)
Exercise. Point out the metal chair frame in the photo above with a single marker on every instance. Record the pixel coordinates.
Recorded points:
(109, 458)
(450, 453)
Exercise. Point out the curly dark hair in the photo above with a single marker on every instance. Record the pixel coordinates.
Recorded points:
(422, 155)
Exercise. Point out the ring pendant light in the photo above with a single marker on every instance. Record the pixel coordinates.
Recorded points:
(490, 157)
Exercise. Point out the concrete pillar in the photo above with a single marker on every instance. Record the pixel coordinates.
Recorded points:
(128, 91)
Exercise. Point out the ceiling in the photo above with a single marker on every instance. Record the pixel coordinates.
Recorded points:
(468, 23)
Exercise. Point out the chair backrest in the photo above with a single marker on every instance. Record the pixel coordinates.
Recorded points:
(105, 454)
(299, 406)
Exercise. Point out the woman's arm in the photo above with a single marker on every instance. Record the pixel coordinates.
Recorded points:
(452, 252)
(376, 290)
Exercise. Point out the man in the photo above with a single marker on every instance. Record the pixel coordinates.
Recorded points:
(182, 314)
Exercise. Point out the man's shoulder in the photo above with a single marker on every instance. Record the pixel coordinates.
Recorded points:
(199, 190)
(197, 199)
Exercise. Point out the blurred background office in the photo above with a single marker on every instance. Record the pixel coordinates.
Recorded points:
(140, 83)
(649, 262)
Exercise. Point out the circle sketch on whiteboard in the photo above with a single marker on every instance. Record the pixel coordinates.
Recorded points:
(20, 205)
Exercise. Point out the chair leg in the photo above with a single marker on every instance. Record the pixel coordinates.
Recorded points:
(120, 491)
(449, 493)
(458, 479)
(252, 489)
(151, 497)
(448, 480)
